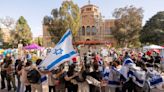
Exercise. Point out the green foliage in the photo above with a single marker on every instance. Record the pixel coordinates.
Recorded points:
(1, 35)
(22, 32)
(39, 41)
(153, 30)
(8, 22)
(127, 26)
(66, 17)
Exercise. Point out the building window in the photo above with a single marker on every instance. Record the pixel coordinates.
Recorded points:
(108, 31)
(82, 10)
(88, 30)
(94, 30)
(84, 16)
(92, 16)
(83, 30)
(88, 9)
(95, 10)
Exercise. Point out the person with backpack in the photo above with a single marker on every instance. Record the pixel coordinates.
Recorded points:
(34, 77)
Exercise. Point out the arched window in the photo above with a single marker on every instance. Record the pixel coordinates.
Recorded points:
(83, 30)
(94, 30)
(88, 30)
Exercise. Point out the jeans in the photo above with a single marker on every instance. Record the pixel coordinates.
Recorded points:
(51, 88)
(19, 83)
(8, 77)
(13, 81)
(129, 86)
(28, 88)
(3, 77)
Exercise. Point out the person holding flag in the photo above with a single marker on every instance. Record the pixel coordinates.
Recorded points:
(62, 52)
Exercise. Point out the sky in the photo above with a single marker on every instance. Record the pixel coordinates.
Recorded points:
(34, 10)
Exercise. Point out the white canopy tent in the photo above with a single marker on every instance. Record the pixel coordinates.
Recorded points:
(153, 47)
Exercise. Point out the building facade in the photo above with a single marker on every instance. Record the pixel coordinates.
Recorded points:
(90, 22)
(93, 27)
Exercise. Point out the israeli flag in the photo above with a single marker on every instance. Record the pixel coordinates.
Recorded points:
(138, 77)
(155, 81)
(114, 77)
(125, 67)
(62, 52)
(128, 61)
(106, 73)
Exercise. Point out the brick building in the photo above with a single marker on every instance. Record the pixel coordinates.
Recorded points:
(93, 27)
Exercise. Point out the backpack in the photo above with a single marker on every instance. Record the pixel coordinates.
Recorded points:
(33, 76)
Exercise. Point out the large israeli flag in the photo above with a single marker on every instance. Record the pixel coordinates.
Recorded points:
(62, 52)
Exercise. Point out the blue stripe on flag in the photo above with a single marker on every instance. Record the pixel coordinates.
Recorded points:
(106, 74)
(64, 37)
(113, 68)
(156, 81)
(113, 82)
(43, 78)
(128, 62)
(60, 59)
(137, 79)
(130, 73)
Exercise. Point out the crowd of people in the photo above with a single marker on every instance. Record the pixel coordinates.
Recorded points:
(95, 71)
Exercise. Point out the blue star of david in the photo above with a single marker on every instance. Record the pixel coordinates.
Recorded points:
(58, 51)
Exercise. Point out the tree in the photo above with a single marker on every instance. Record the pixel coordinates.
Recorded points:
(39, 41)
(22, 31)
(127, 25)
(8, 22)
(1, 34)
(71, 13)
(66, 17)
(153, 30)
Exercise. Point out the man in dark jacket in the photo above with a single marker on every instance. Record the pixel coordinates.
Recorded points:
(97, 75)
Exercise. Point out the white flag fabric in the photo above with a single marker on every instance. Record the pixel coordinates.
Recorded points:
(125, 67)
(62, 52)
